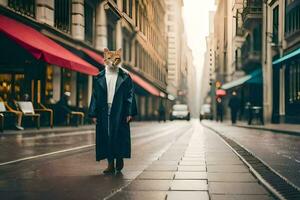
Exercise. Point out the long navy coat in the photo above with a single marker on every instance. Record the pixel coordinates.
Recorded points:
(123, 105)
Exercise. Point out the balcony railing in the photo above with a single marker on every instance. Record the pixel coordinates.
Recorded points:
(24, 7)
(252, 10)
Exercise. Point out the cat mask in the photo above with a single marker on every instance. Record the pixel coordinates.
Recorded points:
(112, 58)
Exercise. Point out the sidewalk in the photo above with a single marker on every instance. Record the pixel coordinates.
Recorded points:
(293, 129)
(199, 165)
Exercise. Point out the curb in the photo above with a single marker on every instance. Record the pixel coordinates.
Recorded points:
(295, 133)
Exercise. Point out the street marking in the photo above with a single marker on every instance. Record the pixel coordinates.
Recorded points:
(46, 154)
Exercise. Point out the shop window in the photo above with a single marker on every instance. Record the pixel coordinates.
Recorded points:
(25, 7)
(294, 82)
(88, 22)
(62, 15)
(66, 80)
(49, 84)
(12, 86)
(82, 90)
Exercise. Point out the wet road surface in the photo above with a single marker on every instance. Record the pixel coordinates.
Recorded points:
(170, 161)
(280, 151)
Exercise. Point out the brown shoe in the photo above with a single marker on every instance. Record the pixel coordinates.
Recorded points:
(110, 168)
(119, 164)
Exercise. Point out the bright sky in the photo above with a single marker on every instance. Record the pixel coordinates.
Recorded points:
(196, 21)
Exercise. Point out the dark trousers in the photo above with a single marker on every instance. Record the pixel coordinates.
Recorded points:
(219, 115)
(110, 157)
(233, 115)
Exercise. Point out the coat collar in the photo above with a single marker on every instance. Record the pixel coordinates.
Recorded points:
(102, 80)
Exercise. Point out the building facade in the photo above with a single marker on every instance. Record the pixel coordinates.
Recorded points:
(82, 28)
(281, 52)
(175, 31)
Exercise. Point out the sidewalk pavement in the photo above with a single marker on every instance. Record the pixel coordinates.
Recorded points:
(293, 129)
(199, 165)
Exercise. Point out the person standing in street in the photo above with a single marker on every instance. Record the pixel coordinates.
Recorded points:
(161, 113)
(234, 104)
(219, 109)
(112, 107)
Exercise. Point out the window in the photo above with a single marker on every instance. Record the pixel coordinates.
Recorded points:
(111, 36)
(130, 8)
(25, 7)
(275, 24)
(88, 22)
(292, 21)
(125, 6)
(62, 15)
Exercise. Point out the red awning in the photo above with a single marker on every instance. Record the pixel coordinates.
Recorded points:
(94, 55)
(148, 87)
(42, 47)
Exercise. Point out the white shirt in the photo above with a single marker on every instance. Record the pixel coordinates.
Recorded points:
(111, 77)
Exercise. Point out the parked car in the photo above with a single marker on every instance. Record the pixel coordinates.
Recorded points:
(180, 111)
(206, 112)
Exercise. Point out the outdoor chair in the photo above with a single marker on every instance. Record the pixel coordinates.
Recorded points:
(6, 114)
(27, 109)
(79, 115)
(44, 109)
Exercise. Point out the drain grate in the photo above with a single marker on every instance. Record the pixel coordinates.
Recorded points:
(277, 185)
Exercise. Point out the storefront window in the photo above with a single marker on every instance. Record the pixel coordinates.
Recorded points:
(294, 82)
(49, 84)
(82, 90)
(11, 86)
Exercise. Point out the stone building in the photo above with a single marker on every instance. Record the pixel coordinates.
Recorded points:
(80, 29)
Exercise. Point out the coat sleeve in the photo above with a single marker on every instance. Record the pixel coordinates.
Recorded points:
(131, 107)
(93, 105)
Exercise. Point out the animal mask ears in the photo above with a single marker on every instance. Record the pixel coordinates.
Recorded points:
(106, 50)
(119, 52)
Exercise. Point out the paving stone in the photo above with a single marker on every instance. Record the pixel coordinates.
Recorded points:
(189, 185)
(192, 163)
(214, 161)
(240, 197)
(136, 195)
(189, 195)
(162, 168)
(199, 168)
(156, 175)
(230, 177)
(227, 168)
(190, 175)
(192, 159)
(165, 162)
(235, 188)
(150, 185)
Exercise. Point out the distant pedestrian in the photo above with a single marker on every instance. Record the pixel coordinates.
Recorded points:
(219, 109)
(112, 108)
(234, 104)
(161, 113)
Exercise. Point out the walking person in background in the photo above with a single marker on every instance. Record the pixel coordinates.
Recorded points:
(161, 113)
(219, 109)
(234, 104)
(112, 107)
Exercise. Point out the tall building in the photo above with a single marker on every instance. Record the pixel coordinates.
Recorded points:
(71, 35)
(208, 72)
(175, 31)
(281, 65)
